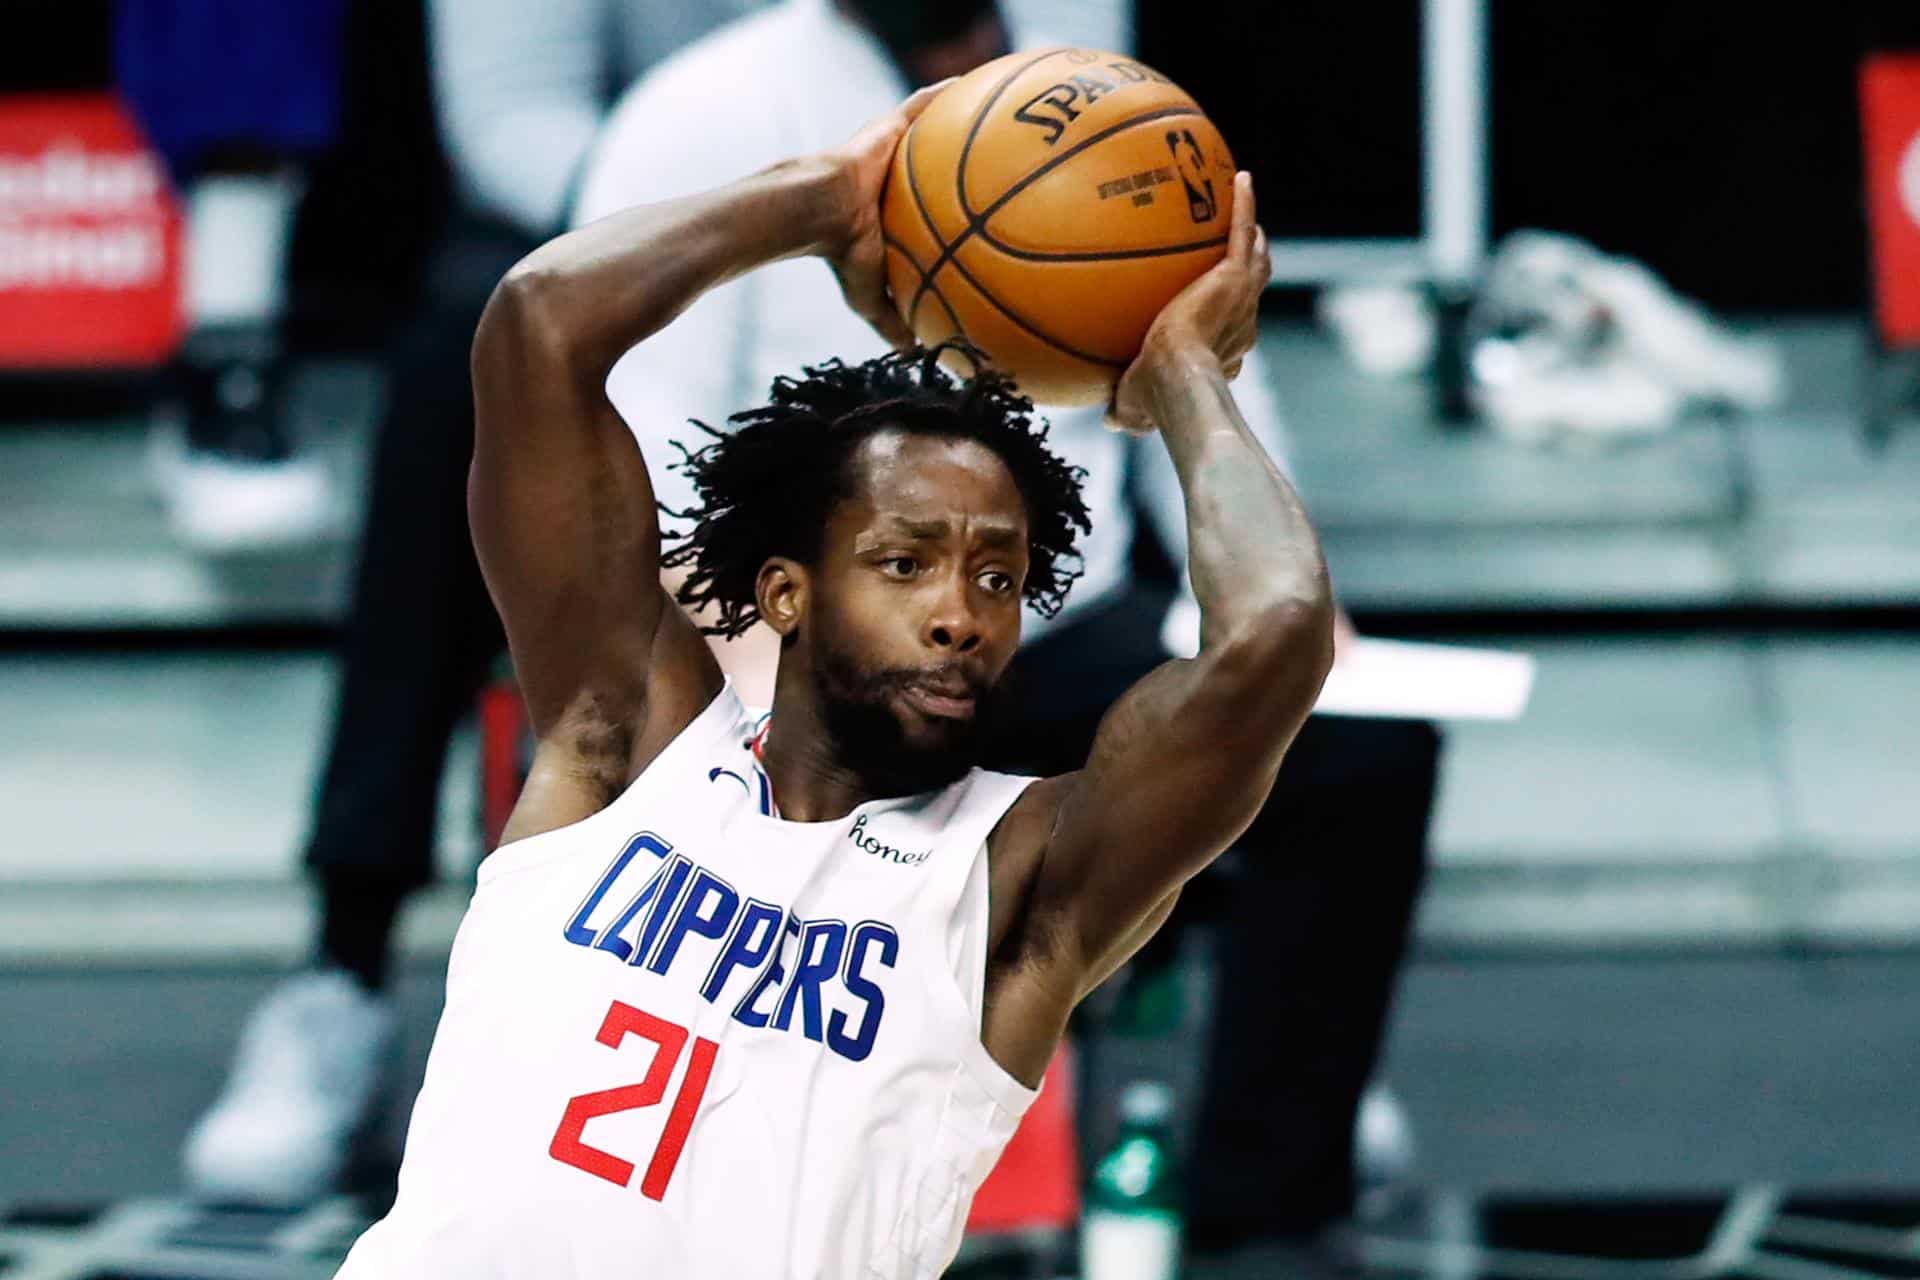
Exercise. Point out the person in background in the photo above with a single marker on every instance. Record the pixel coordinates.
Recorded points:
(1316, 924)
(236, 95)
(521, 90)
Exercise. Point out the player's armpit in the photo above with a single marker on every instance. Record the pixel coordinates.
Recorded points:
(600, 741)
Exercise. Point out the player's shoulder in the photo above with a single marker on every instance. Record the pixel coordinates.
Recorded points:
(1026, 819)
(996, 786)
(963, 811)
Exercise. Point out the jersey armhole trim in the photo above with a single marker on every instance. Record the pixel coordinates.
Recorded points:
(1007, 1092)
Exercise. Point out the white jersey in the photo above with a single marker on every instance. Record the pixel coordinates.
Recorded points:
(687, 1038)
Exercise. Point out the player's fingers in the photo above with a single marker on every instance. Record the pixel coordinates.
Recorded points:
(887, 130)
(1240, 239)
(888, 326)
(917, 100)
(886, 321)
(866, 293)
(1262, 256)
(1232, 370)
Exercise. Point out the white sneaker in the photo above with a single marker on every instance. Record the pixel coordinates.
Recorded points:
(305, 1079)
(222, 504)
(223, 461)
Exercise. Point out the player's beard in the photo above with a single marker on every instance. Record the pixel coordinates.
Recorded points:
(857, 709)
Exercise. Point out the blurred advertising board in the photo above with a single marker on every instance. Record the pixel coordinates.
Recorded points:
(90, 238)
(1890, 120)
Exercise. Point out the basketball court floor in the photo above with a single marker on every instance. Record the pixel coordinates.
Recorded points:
(1661, 1022)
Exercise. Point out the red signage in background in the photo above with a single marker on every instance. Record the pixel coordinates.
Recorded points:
(1890, 119)
(90, 241)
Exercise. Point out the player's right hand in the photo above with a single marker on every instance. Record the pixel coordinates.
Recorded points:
(1218, 314)
(855, 251)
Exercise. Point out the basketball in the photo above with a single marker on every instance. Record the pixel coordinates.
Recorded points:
(1046, 207)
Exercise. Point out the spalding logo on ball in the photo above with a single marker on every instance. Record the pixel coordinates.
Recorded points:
(1046, 207)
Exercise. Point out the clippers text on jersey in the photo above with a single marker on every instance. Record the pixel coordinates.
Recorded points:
(669, 915)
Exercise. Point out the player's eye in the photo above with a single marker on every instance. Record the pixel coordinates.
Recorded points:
(899, 566)
(997, 581)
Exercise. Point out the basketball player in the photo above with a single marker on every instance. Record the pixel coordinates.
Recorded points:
(753, 997)
(1310, 928)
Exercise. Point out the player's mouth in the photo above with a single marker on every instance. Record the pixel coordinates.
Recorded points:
(940, 703)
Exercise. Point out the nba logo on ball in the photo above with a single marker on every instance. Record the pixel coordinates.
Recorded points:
(1046, 207)
(1193, 172)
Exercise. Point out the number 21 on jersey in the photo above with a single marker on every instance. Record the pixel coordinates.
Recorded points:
(669, 1041)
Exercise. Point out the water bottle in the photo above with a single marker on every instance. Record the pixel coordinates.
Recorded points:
(1131, 1227)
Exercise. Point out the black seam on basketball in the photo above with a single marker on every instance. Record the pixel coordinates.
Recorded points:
(913, 309)
(1026, 324)
(966, 148)
(980, 118)
(913, 188)
(947, 307)
(978, 222)
(926, 287)
(905, 252)
(926, 216)
(1117, 255)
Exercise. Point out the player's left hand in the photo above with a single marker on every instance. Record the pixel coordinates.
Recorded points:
(1217, 316)
(856, 252)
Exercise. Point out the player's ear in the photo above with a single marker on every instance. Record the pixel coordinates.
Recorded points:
(781, 592)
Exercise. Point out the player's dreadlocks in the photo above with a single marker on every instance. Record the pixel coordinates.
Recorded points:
(767, 485)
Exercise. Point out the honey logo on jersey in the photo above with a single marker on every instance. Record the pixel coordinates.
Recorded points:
(674, 918)
(886, 852)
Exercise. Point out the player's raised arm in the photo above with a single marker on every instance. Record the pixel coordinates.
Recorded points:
(559, 498)
(1184, 760)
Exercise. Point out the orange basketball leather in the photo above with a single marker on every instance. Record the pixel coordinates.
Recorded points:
(1047, 206)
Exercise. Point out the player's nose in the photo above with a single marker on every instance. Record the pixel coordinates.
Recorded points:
(956, 634)
(954, 626)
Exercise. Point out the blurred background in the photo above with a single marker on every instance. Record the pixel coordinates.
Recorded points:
(1593, 338)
